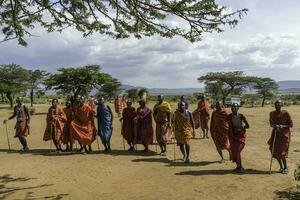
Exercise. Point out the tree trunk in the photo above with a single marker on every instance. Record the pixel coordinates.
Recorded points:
(263, 101)
(31, 97)
(10, 99)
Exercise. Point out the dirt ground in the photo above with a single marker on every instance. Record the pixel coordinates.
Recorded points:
(123, 175)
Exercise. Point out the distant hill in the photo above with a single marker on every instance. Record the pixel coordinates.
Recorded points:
(292, 86)
(285, 85)
(166, 91)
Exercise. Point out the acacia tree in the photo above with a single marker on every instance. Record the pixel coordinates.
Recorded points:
(13, 80)
(266, 87)
(222, 84)
(132, 94)
(110, 88)
(116, 18)
(77, 80)
(36, 78)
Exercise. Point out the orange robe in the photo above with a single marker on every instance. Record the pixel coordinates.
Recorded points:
(128, 124)
(219, 128)
(283, 135)
(83, 126)
(58, 116)
(201, 115)
(183, 128)
(66, 132)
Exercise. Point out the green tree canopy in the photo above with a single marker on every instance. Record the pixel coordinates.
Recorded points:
(266, 87)
(110, 88)
(116, 18)
(132, 94)
(13, 80)
(77, 81)
(222, 84)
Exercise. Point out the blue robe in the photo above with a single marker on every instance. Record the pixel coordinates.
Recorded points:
(104, 124)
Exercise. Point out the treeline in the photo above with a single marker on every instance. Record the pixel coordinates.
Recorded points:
(66, 81)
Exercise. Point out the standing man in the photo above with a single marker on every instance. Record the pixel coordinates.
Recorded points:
(184, 130)
(127, 131)
(162, 116)
(83, 126)
(105, 121)
(22, 124)
(203, 110)
(219, 127)
(237, 136)
(66, 133)
(55, 125)
(143, 126)
(281, 122)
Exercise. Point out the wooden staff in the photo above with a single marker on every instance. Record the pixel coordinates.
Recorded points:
(8, 142)
(98, 142)
(273, 145)
(174, 129)
(51, 136)
(122, 135)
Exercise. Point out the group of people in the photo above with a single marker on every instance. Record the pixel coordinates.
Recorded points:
(75, 122)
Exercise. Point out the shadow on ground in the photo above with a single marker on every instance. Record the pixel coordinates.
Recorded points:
(290, 194)
(220, 172)
(6, 191)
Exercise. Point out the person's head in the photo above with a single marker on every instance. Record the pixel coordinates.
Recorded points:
(142, 103)
(181, 106)
(101, 101)
(19, 100)
(278, 105)
(219, 105)
(160, 98)
(235, 108)
(54, 103)
(80, 100)
(202, 98)
(129, 103)
(182, 98)
(68, 104)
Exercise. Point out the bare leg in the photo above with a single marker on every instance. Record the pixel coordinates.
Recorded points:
(182, 151)
(284, 163)
(221, 155)
(23, 142)
(280, 164)
(187, 148)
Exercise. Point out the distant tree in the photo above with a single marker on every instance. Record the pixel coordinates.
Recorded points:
(223, 84)
(132, 94)
(110, 88)
(266, 87)
(13, 80)
(116, 18)
(36, 78)
(77, 81)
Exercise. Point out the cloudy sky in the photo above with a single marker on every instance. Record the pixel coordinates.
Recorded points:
(265, 43)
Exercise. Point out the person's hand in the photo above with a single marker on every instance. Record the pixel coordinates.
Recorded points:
(121, 119)
(5, 121)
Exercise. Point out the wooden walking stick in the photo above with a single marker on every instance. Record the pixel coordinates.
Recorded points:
(273, 145)
(51, 136)
(8, 142)
(174, 129)
(98, 143)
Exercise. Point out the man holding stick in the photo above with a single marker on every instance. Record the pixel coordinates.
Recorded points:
(281, 122)
(128, 115)
(22, 125)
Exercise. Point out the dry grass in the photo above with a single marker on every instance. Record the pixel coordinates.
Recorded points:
(123, 175)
